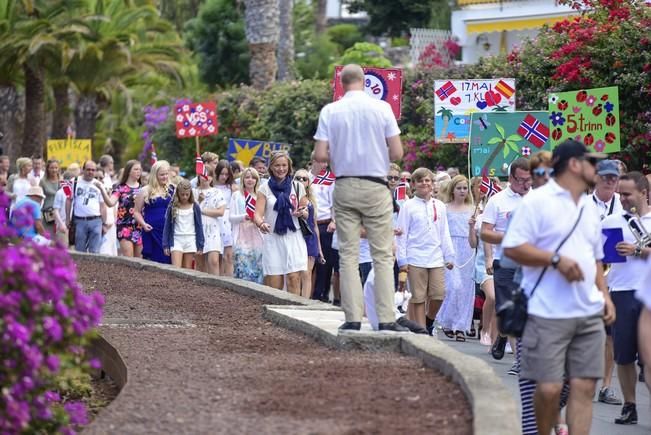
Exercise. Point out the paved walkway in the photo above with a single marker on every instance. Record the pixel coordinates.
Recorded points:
(604, 415)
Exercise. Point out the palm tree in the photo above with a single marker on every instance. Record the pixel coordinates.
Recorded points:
(11, 110)
(286, 41)
(446, 115)
(124, 42)
(503, 143)
(261, 18)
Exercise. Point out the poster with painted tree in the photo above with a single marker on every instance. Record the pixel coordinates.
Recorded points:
(496, 139)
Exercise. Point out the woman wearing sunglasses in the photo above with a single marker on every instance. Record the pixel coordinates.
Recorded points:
(541, 168)
(312, 241)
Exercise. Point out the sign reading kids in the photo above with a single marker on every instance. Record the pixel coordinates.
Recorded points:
(590, 116)
(196, 119)
(381, 83)
(455, 100)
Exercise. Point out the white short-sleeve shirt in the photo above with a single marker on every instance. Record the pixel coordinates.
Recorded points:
(626, 276)
(498, 211)
(356, 128)
(87, 199)
(544, 218)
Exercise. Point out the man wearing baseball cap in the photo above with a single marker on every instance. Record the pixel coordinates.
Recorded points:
(560, 248)
(30, 206)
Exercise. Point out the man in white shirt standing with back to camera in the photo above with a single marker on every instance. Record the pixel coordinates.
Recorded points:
(561, 258)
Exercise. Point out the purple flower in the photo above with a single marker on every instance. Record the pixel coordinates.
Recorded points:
(609, 106)
(557, 118)
(95, 363)
(77, 413)
(52, 363)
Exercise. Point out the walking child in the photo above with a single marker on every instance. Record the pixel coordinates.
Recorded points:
(183, 231)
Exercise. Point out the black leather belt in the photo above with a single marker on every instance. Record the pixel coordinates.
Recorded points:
(378, 180)
(86, 218)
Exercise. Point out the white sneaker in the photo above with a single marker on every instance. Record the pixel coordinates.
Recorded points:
(508, 349)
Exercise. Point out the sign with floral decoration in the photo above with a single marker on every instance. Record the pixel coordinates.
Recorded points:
(196, 119)
(590, 116)
(380, 83)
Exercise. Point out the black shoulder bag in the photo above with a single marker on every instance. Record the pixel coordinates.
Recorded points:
(512, 314)
(302, 222)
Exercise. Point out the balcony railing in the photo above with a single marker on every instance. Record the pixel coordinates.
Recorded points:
(480, 2)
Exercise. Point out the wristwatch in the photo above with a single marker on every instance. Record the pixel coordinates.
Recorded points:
(555, 260)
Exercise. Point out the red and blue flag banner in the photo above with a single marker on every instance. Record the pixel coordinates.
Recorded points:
(400, 193)
(325, 178)
(199, 167)
(534, 131)
(154, 156)
(196, 119)
(488, 187)
(380, 83)
(249, 205)
(446, 90)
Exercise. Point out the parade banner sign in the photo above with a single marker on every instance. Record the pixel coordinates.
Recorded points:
(496, 139)
(456, 100)
(244, 149)
(381, 83)
(70, 150)
(590, 116)
(196, 119)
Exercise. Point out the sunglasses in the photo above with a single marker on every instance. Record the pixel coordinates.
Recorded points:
(592, 160)
(408, 180)
(541, 172)
(303, 179)
(392, 178)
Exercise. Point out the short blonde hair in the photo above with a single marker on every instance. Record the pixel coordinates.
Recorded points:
(278, 155)
(22, 162)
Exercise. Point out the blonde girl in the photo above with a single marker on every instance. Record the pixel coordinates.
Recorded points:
(183, 233)
(312, 241)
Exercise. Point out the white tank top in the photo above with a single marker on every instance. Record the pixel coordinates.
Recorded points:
(184, 222)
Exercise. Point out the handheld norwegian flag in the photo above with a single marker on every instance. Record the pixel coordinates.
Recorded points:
(488, 187)
(249, 205)
(199, 167)
(400, 193)
(154, 156)
(534, 131)
(66, 185)
(325, 178)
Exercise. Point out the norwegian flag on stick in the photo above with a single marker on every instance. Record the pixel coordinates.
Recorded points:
(488, 187)
(249, 205)
(325, 178)
(154, 156)
(66, 185)
(400, 193)
(200, 168)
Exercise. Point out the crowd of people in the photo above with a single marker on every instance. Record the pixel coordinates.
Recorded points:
(451, 249)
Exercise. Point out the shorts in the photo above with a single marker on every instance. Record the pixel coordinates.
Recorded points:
(185, 244)
(553, 349)
(426, 283)
(624, 330)
(504, 284)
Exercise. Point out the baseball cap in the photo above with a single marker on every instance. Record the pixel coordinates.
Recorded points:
(608, 167)
(572, 148)
(35, 191)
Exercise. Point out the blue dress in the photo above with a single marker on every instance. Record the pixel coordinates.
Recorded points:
(152, 241)
(311, 241)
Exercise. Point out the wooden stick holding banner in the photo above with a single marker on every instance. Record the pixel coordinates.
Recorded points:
(196, 142)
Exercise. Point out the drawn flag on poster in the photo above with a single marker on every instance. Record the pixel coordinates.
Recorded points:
(380, 83)
(325, 178)
(196, 119)
(249, 205)
(400, 194)
(503, 88)
(199, 167)
(534, 131)
(446, 90)
(488, 187)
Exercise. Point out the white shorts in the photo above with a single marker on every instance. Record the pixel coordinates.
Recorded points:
(185, 244)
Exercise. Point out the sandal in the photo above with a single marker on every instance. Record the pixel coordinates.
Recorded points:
(448, 333)
(459, 336)
(472, 333)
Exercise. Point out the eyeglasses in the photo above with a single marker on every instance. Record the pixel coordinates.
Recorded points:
(303, 179)
(542, 171)
(408, 180)
(609, 178)
(592, 160)
(393, 178)
(521, 180)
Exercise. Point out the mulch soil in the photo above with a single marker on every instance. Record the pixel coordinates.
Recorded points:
(228, 370)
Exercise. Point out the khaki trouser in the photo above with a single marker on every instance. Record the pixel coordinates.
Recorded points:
(365, 203)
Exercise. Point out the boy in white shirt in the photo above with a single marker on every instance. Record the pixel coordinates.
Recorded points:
(424, 248)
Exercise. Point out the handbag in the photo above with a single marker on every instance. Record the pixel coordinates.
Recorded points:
(48, 215)
(512, 315)
(302, 222)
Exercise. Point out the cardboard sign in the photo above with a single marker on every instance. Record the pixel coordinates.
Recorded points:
(68, 151)
(496, 139)
(590, 116)
(244, 149)
(456, 100)
(196, 119)
(381, 83)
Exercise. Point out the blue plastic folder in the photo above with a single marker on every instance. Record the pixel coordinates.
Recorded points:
(613, 237)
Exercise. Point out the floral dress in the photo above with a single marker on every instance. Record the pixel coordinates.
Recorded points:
(127, 227)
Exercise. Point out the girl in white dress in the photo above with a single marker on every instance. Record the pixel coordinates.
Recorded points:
(213, 206)
(284, 253)
(225, 184)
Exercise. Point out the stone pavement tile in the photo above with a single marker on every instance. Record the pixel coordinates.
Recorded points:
(603, 415)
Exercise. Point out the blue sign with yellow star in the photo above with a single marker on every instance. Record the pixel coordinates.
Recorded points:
(244, 149)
